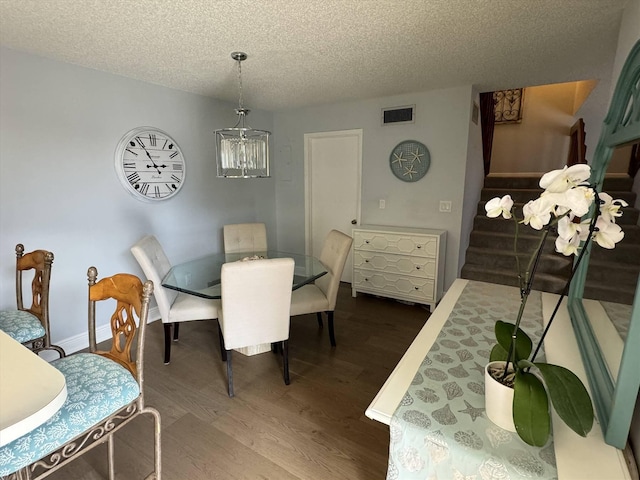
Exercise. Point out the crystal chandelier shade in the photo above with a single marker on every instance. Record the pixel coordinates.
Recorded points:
(241, 151)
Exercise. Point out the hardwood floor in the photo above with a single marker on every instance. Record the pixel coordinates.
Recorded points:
(315, 428)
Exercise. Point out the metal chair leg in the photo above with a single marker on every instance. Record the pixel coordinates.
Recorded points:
(110, 454)
(157, 473)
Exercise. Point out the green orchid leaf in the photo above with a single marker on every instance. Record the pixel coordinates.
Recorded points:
(503, 332)
(531, 409)
(525, 364)
(569, 397)
(498, 353)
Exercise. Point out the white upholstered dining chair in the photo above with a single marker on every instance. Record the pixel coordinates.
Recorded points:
(30, 326)
(245, 237)
(104, 389)
(175, 307)
(321, 296)
(256, 298)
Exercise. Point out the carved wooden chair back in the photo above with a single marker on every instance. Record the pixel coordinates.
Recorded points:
(30, 325)
(126, 289)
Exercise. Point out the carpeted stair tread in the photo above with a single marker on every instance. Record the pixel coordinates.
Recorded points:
(543, 281)
(499, 259)
(489, 257)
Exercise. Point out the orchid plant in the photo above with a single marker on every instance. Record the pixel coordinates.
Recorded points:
(579, 214)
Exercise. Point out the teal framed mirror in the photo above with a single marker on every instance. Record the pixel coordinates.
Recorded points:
(613, 372)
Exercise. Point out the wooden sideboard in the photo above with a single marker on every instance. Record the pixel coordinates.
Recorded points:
(402, 263)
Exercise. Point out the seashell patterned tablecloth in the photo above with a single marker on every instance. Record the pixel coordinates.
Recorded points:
(440, 430)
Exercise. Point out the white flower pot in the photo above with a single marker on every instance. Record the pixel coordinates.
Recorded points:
(498, 400)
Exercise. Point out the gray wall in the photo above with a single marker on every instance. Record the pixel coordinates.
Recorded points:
(59, 127)
(442, 123)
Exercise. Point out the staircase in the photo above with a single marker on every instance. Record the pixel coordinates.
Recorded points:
(612, 274)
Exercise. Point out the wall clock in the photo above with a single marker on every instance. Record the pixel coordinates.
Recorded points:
(410, 160)
(150, 164)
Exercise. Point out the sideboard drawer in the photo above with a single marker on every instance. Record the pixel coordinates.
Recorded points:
(396, 286)
(415, 245)
(424, 267)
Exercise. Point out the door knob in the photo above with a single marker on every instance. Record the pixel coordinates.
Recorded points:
(354, 222)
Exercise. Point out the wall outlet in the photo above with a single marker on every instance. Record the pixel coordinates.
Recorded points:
(383, 204)
(445, 206)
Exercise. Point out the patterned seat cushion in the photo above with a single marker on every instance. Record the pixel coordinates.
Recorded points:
(96, 388)
(21, 326)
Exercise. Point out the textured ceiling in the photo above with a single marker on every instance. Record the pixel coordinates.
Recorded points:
(310, 52)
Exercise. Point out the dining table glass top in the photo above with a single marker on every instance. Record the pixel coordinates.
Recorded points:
(201, 276)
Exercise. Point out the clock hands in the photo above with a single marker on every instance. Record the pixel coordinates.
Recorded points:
(149, 155)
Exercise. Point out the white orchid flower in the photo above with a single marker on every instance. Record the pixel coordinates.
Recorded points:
(610, 208)
(537, 213)
(568, 247)
(499, 206)
(568, 229)
(558, 181)
(607, 233)
(577, 200)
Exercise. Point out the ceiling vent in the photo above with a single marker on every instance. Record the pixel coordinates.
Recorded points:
(398, 115)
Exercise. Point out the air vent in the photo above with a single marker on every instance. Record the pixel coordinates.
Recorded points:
(398, 115)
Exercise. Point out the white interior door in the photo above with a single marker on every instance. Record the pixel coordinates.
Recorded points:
(333, 162)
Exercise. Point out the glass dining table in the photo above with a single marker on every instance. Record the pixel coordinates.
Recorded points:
(201, 276)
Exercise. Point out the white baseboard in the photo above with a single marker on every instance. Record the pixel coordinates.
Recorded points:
(81, 341)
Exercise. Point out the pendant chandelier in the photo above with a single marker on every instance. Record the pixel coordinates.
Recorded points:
(241, 151)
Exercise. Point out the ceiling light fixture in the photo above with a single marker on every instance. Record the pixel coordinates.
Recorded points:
(242, 152)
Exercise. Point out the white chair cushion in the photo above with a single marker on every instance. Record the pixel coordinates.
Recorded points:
(20, 325)
(245, 237)
(188, 307)
(96, 388)
(308, 299)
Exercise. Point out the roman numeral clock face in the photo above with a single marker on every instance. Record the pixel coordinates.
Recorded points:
(149, 164)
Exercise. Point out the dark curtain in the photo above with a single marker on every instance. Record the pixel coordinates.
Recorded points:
(487, 122)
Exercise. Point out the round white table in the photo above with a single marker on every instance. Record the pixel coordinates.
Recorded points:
(31, 390)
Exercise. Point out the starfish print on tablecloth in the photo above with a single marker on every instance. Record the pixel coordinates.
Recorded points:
(472, 411)
(399, 159)
(410, 171)
(417, 156)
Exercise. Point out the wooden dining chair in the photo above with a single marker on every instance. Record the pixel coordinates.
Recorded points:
(175, 307)
(105, 389)
(30, 326)
(321, 296)
(245, 237)
(256, 297)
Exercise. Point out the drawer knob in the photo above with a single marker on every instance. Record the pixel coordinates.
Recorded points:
(418, 267)
(366, 279)
(419, 246)
(416, 288)
(366, 261)
(366, 241)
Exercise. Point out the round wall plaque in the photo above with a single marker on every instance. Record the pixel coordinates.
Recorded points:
(410, 160)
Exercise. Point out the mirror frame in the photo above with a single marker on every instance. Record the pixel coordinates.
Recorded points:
(614, 402)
